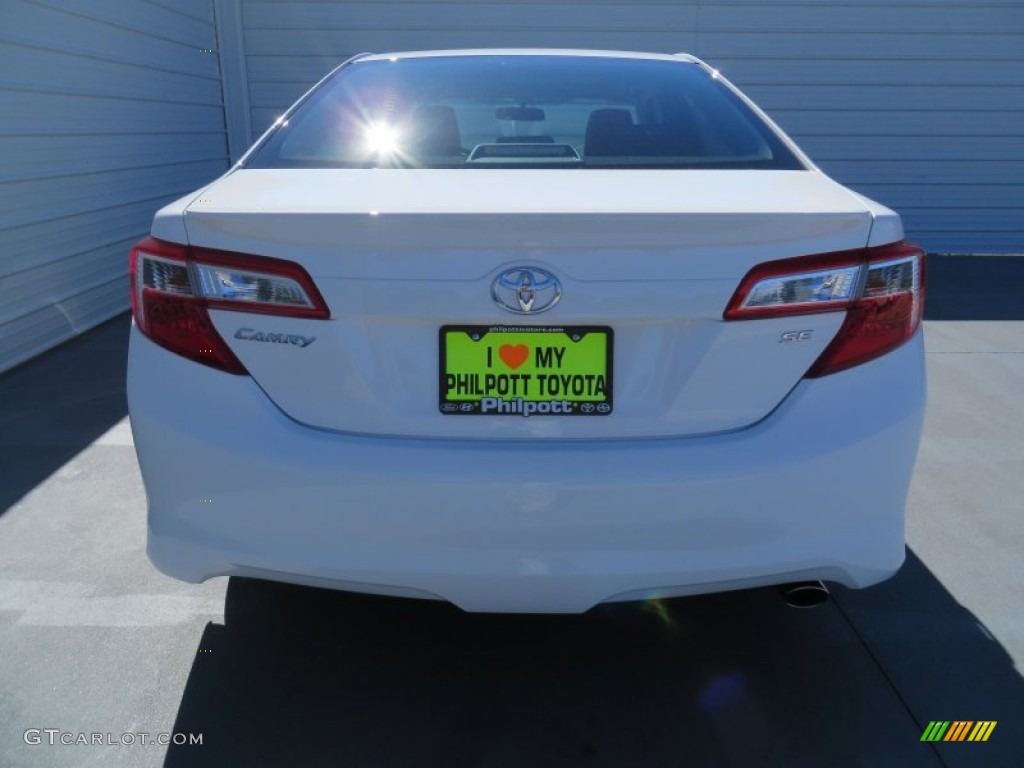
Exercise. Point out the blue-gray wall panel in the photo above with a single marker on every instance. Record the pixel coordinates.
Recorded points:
(918, 103)
(111, 109)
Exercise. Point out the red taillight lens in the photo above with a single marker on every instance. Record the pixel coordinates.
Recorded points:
(173, 287)
(881, 289)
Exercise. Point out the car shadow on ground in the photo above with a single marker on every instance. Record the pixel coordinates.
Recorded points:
(300, 676)
(973, 288)
(57, 404)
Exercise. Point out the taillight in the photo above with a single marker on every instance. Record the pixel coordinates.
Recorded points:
(881, 290)
(173, 287)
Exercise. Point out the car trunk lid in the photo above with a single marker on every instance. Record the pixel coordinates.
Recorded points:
(653, 255)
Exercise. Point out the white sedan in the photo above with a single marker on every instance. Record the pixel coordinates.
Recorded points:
(527, 331)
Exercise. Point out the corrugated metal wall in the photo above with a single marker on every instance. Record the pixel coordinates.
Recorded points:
(108, 110)
(113, 107)
(917, 103)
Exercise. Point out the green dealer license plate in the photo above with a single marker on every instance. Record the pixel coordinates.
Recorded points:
(526, 371)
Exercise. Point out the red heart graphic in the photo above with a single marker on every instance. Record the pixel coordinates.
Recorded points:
(515, 356)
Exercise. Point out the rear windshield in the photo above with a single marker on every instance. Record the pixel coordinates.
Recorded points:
(523, 111)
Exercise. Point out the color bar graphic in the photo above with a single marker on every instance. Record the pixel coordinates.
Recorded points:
(958, 730)
(982, 730)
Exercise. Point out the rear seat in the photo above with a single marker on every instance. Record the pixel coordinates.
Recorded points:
(612, 132)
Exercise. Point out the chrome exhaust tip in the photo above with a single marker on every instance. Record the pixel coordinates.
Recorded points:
(804, 594)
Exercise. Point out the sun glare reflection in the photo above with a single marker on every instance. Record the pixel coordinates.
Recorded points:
(723, 691)
(657, 606)
(381, 138)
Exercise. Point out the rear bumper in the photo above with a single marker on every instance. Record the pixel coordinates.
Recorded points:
(816, 490)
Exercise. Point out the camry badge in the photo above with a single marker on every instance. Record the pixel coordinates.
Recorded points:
(250, 334)
(526, 290)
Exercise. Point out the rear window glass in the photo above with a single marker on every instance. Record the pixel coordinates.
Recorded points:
(523, 111)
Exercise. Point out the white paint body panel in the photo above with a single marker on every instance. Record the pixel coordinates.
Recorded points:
(816, 490)
(263, 191)
(721, 467)
(399, 253)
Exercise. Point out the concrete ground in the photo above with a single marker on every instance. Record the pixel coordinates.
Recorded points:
(94, 640)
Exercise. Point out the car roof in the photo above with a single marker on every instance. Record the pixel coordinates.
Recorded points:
(583, 53)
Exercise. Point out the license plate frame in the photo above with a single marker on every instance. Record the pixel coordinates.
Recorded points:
(527, 394)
